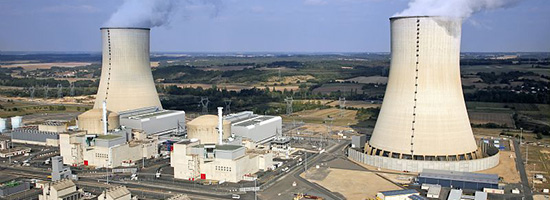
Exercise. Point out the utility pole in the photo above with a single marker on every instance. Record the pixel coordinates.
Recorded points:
(520, 135)
(526, 154)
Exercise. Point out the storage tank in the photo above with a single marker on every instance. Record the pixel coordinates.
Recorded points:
(423, 115)
(126, 80)
(205, 129)
(91, 121)
(16, 122)
(2, 124)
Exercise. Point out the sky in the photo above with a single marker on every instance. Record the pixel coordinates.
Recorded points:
(263, 26)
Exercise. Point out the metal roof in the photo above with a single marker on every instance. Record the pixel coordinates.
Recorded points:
(417, 197)
(399, 192)
(252, 120)
(459, 176)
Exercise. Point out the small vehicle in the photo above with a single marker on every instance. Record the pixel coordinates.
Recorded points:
(235, 196)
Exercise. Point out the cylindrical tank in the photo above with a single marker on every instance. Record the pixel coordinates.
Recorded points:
(126, 80)
(2, 124)
(16, 122)
(205, 129)
(91, 121)
(423, 112)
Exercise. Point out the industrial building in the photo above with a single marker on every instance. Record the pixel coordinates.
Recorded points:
(113, 150)
(62, 189)
(12, 187)
(423, 122)
(46, 134)
(232, 163)
(396, 194)
(116, 193)
(154, 120)
(59, 171)
(258, 128)
(455, 179)
(126, 81)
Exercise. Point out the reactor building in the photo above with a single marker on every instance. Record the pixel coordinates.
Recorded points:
(423, 122)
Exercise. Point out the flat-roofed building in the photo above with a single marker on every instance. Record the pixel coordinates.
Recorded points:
(259, 128)
(153, 120)
(396, 194)
(456, 179)
(46, 134)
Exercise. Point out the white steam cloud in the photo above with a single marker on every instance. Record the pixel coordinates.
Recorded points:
(453, 8)
(153, 13)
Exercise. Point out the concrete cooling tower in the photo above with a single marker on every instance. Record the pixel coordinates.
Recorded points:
(126, 79)
(423, 121)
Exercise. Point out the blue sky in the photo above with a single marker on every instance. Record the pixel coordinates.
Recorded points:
(263, 26)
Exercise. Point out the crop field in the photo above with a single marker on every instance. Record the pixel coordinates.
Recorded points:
(34, 66)
(342, 87)
(369, 79)
(499, 118)
(473, 69)
(318, 116)
(356, 104)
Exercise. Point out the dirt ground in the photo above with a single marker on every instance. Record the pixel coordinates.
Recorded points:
(363, 185)
(506, 168)
(319, 115)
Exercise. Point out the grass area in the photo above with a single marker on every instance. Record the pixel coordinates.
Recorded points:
(11, 109)
(319, 116)
(473, 69)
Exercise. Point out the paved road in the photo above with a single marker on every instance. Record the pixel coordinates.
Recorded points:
(283, 188)
(521, 168)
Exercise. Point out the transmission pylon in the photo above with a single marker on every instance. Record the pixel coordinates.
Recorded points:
(204, 103)
(72, 89)
(289, 101)
(59, 91)
(32, 92)
(342, 104)
(227, 106)
(46, 90)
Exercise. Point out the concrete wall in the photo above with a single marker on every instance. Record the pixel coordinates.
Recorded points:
(418, 165)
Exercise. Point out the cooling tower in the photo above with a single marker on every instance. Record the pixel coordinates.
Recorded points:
(423, 115)
(126, 79)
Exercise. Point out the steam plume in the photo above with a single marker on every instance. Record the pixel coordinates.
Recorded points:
(143, 13)
(453, 8)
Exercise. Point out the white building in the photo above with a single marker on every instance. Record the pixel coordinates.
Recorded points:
(116, 193)
(232, 163)
(60, 190)
(259, 128)
(113, 150)
(153, 120)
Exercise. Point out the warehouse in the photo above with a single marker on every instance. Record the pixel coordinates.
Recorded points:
(46, 134)
(259, 128)
(455, 179)
(153, 120)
